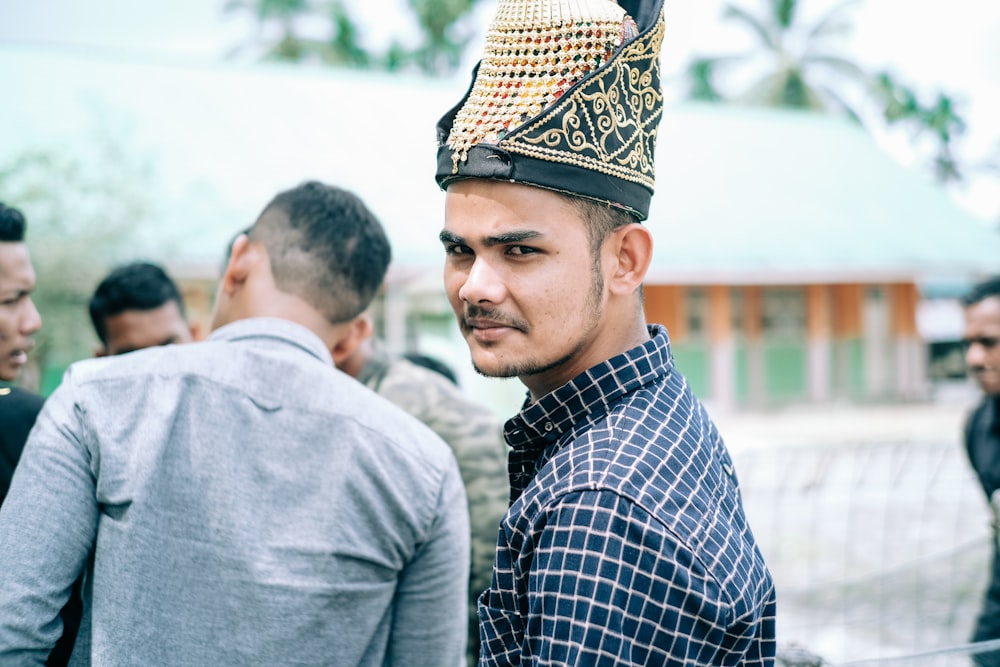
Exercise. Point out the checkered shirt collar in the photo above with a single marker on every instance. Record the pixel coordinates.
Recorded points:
(580, 402)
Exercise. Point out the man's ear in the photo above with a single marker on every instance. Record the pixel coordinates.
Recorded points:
(195, 329)
(360, 329)
(631, 250)
(238, 266)
(100, 351)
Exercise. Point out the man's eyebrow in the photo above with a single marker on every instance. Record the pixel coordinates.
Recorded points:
(500, 239)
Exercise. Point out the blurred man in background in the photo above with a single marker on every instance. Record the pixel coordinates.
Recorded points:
(138, 306)
(239, 501)
(981, 340)
(19, 321)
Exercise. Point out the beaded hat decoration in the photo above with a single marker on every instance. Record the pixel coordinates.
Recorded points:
(567, 97)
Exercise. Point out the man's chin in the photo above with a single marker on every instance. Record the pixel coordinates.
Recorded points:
(988, 385)
(488, 364)
(493, 370)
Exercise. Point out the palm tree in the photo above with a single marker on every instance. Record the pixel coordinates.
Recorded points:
(799, 59)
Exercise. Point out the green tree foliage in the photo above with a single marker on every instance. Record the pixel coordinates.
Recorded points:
(939, 120)
(281, 34)
(444, 41)
(83, 216)
(797, 60)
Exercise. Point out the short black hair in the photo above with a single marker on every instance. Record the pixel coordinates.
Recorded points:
(981, 291)
(328, 248)
(134, 286)
(12, 224)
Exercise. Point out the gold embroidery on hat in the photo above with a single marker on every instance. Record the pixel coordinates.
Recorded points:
(535, 53)
(609, 124)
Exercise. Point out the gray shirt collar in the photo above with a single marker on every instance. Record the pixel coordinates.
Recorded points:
(277, 329)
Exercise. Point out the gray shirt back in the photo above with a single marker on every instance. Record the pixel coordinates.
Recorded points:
(245, 503)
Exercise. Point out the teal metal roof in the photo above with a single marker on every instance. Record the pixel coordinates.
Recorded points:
(743, 195)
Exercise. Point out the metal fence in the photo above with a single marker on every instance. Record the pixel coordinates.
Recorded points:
(879, 551)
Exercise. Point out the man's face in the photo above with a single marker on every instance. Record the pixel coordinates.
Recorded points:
(19, 319)
(981, 339)
(137, 329)
(520, 275)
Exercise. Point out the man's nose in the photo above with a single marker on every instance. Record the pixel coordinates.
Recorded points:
(31, 320)
(482, 284)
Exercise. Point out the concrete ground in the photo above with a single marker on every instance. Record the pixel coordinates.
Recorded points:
(810, 425)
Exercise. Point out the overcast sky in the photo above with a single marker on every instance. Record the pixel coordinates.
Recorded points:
(933, 45)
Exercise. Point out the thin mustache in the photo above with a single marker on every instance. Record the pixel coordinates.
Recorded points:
(478, 312)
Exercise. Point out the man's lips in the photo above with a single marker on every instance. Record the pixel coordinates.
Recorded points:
(488, 330)
(481, 323)
(20, 355)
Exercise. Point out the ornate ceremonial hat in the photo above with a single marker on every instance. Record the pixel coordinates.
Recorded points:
(567, 97)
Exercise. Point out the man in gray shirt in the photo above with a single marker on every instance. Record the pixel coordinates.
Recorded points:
(222, 508)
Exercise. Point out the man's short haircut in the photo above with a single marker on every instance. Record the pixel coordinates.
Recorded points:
(599, 218)
(12, 224)
(134, 286)
(327, 248)
(981, 291)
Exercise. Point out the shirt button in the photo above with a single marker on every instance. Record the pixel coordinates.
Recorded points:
(549, 426)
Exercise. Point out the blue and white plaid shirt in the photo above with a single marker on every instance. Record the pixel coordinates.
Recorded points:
(626, 542)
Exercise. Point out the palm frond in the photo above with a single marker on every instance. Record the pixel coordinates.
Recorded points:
(837, 104)
(758, 27)
(835, 23)
(784, 12)
(841, 65)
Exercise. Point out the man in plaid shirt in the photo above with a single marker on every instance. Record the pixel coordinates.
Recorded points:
(625, 542)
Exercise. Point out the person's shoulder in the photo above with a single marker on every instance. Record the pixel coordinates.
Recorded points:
(414, 387)
(983, 414)
(132, 365)
(20, 400)
(18, 407)
(401, 370)
(385, 415)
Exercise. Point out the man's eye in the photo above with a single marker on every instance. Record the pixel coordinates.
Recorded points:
(988, 342)
(455, 249)
(521, 250)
